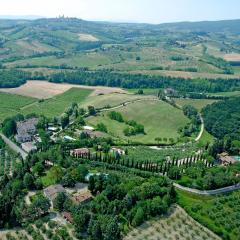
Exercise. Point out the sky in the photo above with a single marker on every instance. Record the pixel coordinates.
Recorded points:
(147, 11)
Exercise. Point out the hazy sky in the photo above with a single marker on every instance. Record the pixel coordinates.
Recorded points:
(152, 11)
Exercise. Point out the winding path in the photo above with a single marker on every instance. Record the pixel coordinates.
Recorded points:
(202, 129)
(208, 192)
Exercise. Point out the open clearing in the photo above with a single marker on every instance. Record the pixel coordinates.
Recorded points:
(87, 37)
(159, 119)
(45, 90)
(178, 225)
(232, 57)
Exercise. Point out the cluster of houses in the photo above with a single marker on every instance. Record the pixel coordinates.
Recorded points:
(79, 195)
(225, 159)
(26, 131)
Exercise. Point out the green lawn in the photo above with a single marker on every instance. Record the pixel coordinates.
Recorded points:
(11, 104)
(58, 104)
(220, 213)
(52, 176)
(206, 138)
(159, 119)
(197, 103)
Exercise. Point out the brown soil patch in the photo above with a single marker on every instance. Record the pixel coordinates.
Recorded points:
(45, 90)
(87, 37)
(232, 57)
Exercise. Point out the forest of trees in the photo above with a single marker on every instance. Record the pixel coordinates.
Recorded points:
(13, 78)
(223, 118)
(113, 79)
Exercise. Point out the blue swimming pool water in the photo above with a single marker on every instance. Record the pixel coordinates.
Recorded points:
(237, 158)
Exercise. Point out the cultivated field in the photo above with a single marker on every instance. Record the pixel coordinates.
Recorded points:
(220, 213)
(12, 104)
(178, 225)
(232, 57)
(112, 99)
(45, 90)
(197, 103)
(159, 119)
(87, 37)
(55, 106)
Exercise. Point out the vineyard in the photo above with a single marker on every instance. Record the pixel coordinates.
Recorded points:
(160, 154)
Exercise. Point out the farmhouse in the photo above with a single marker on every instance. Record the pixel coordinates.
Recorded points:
(80, 152)
(88, 128)
(51, 192)
(26, 129)
(118, 151)
(69, 139)
(93, 134)
(225, 159)
(82, 196)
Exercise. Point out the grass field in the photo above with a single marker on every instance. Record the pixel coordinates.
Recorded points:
(206, 138)
(57, 105)
(227, 94)
(11, 104)
(220, 213)
(159, 119)
(112, 100)
(197, 103)
(178, 225)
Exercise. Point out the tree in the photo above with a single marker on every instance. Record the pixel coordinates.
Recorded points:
(79, 173)
(64, 121)
(112, 230)
(38, 169)
(38, 208)
(68, 181)
(138, 218)
(102, 127)
(28, 181)
(140, 92)
(58, 202)
(9, 127)
(94, 229)
(158, 140)
(91, 110)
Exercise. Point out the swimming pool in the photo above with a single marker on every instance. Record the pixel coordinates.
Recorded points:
(237, 158)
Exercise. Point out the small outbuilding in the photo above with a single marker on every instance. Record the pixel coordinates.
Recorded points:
(225, 159)
(52, 191)
(80, 152)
